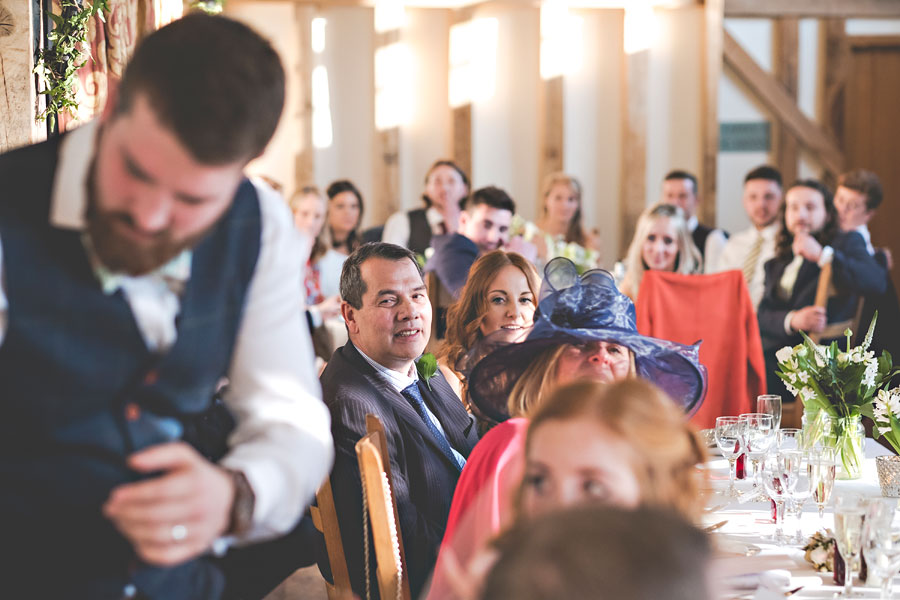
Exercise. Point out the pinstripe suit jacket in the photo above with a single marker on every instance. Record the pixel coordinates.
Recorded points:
(423, 477)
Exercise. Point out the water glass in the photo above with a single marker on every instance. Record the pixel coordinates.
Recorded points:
(779, 477)
(728, 436)
(849, 513)
(802, 490)
(788, 439)
(881, 542)
(770, 404)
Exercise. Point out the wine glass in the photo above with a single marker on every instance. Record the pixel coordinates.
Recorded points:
(821, 470)
(779, 477)
(799, 494)
(788, 439)
(728, 436)
(881, 542)
(757, 437)
(770, 404)
(849, 512)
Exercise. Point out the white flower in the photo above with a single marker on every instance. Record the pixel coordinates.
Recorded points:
(883, 430)
(820, 362)
(792, 377)
(804, 376)
(843, 358)
(791, 389)
(785, 354)
(807, 393)
(871, 372)
(818, 555)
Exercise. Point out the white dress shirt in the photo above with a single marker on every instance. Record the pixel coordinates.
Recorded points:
(715, 242)
(282, 440)
(396, 229)
(864, 231)
(736, 250)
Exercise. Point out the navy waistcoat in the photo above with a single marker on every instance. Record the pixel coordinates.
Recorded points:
(80, 390)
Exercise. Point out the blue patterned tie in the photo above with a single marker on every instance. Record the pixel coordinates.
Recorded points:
(412, 393)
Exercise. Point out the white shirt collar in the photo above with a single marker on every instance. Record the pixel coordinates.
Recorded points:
(433, 216)
(398, 380)
(863, 230)
(692, 224)
(770, 231)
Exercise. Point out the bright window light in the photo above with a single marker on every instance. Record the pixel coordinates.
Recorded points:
(321, 118)
(473, 61)
(562, 43)
(640, 27)
(317, 34)
(393, 86)
(389, 15)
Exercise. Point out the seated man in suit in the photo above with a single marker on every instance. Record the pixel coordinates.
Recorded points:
(429, 432)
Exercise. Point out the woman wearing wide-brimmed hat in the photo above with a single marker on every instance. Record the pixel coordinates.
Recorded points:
(584, 329)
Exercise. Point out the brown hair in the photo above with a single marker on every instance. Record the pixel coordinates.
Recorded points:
(212, 81)
(465, 316)
(575, 232)
(784, 241)
(664, 446)
(864, 182)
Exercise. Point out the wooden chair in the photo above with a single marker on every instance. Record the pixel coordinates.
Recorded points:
(381, 510)
(324, 517)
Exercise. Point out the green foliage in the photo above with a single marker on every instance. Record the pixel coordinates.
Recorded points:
(58, 65)
(210, 7)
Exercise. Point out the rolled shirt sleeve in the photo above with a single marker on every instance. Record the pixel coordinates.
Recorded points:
(282, 441)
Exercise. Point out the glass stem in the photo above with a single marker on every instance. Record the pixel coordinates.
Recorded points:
(732, 474)
(886, 587)
(848, 580)
(779, 520)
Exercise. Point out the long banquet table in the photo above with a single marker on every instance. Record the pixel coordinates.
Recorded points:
(750, 528)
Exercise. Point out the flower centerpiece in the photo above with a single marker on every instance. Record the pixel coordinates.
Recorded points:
(836, 388)
(886, 414)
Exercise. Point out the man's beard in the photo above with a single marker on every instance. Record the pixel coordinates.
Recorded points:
(121, 255)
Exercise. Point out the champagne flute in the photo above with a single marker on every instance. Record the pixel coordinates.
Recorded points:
(821, 469)
(881, 542)
(788, 439)
(728, 436)
(757, 437)
(849, 513)
(799, 494)
(770, 404)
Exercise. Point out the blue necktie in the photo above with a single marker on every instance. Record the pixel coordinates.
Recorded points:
(412, 393)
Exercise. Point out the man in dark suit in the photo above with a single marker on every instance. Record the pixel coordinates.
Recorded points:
(680, 188)
(429, 433)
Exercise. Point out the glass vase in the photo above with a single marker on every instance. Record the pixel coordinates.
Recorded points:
(844, 435)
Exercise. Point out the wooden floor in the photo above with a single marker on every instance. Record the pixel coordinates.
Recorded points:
(304, 584)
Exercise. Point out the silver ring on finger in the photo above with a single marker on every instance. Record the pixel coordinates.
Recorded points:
(179, 533)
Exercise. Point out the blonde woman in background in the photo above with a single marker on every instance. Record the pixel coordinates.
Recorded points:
(559, 230)
(661, 242)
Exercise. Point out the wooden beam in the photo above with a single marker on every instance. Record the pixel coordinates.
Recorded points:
(633, 197)
(304, 170)
(785, 149)
(551, 127)
(842, 9)
(712, 73)
(775, 97)
(462, 138)
(17, 86)
(835, 71)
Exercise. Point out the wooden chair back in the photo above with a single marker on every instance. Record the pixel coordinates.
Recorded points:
(324, 518)
(440, 299)
(381, 506)
(824, 290)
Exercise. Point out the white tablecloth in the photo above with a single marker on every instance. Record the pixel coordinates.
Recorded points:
(751, 525)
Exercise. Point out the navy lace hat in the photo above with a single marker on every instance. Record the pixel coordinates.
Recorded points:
(577, 309)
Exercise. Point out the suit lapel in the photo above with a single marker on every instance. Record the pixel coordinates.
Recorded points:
(399, 405)
(449, 410)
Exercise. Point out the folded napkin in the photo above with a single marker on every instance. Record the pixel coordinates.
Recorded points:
(776, 579)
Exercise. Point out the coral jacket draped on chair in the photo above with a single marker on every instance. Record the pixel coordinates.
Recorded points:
(716, 309)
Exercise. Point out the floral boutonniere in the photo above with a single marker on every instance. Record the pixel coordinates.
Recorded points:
(427, 367)
(820, 551)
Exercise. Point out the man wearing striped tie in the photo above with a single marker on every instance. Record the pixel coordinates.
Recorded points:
(748, 250)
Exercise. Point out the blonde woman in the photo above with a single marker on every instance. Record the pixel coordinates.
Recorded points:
(661, 242)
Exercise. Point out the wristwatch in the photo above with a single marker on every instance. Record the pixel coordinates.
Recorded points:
(242, 505)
